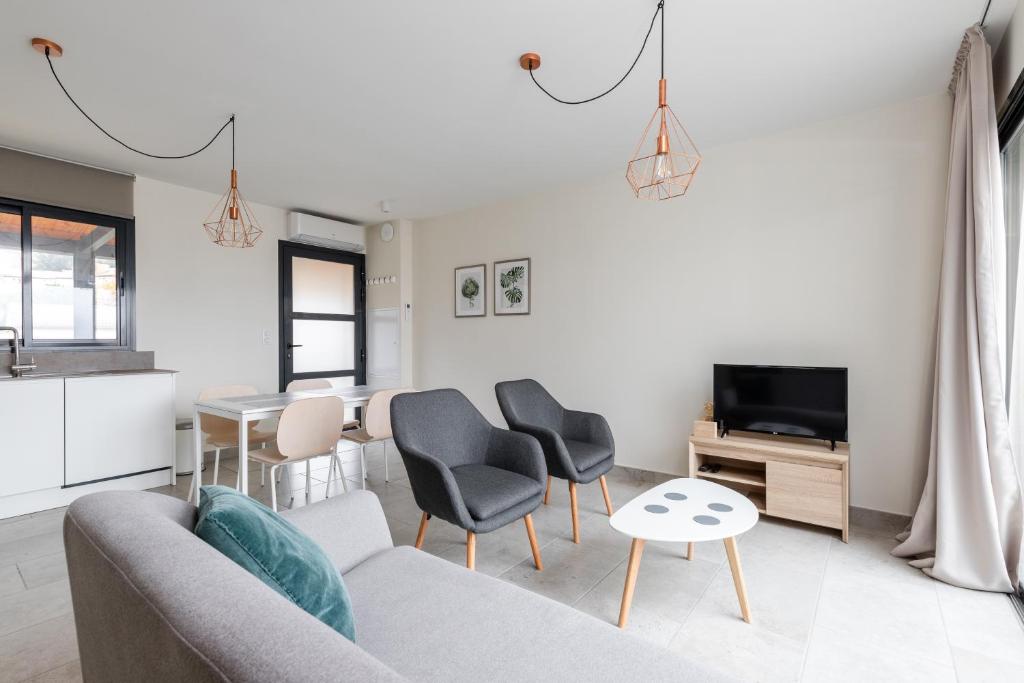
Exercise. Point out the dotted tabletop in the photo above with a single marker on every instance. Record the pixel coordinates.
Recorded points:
(684, 510)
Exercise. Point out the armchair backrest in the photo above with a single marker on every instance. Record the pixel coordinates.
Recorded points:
(526, 402)
(441, 423)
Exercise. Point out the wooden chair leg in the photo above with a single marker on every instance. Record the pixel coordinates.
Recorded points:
(689, 550)
(607, 498)
(533, 543)
(575, 513)
(424, 521)
(470, 550)
(635, 551)
(547, 491)
(737, 577)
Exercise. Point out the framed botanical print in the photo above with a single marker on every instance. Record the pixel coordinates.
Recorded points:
(512, 287)
(471, 291)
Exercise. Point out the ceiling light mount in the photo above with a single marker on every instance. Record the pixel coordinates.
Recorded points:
(40, 45)
(667, 170)
(530, 61)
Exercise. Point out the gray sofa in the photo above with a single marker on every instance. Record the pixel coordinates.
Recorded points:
(153, 602)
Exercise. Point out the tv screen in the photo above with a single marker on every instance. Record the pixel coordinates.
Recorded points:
(795, 401)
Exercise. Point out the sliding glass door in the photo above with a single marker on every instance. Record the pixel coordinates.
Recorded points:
(323, 317)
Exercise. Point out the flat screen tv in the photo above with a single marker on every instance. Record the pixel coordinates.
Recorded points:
(795, 401)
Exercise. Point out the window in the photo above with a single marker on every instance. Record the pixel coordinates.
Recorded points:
(66, 277)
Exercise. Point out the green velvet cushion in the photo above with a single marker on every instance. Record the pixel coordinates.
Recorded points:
(270, 548)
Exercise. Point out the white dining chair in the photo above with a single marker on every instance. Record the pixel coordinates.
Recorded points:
(220, 432)
(307, 429)
(376, 427)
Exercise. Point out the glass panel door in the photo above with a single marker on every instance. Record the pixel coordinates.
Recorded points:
(323, 329)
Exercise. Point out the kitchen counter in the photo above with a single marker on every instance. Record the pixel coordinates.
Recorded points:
(89, 373)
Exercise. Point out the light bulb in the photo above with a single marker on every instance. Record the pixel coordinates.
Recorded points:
(662, 167)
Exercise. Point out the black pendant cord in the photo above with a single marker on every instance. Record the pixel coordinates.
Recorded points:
(229, 122)
(661, 10)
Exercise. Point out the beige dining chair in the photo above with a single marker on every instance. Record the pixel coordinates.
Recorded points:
(318, 383)
(376, 427)
(307, 429)
(222, 433)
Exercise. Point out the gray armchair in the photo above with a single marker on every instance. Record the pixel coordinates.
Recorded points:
(578, 446)
(465, 470)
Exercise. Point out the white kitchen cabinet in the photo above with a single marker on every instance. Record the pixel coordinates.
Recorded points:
(32, 425)
(117, 425)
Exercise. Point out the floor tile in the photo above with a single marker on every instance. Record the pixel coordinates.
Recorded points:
(68, 673)
(882, 609)
(44, 570)
(983, 622)
(570, 570)
(10, 580)
(31, 547)
(973, 667)
(783, 597)
(834, 656)
(34, 606)
(38, 649)
(725, 642)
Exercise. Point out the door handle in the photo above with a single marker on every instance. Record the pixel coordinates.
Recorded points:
(294, 346)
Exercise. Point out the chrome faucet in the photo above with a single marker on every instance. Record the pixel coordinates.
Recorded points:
(17, 369)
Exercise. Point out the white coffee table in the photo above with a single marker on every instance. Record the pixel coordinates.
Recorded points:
(685, 511)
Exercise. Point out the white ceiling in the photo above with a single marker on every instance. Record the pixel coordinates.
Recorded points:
(342, 104)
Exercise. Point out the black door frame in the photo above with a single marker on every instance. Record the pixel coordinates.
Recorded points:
(285, 251)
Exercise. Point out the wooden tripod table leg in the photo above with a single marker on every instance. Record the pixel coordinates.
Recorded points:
(737, 577)
(635, 551)
(689, 550)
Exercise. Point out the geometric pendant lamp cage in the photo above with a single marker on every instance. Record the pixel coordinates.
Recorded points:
(666, 159)
(668, 169)
(231, 223)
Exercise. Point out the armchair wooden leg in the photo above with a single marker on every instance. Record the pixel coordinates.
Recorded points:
(737, 577)
(636, 550)
(471, 550)
(607, 498)
(533, 543)
(575, 513)
(689, 550)
(424, 520)
(547, 491)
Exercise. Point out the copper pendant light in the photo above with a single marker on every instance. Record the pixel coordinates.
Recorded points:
(664, 164)
(234, 225)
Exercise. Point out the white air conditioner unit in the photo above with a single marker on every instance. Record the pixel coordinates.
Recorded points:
(324, 232)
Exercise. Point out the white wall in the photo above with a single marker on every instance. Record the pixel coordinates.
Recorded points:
(202, 308)
(818, 246)
(1008, 57)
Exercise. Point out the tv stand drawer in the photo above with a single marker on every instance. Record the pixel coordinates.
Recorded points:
(805, 493)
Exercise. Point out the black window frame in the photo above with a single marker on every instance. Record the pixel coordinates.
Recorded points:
(124, 258)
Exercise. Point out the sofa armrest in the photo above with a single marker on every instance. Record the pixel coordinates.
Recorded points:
(516, 452)
(434, 487)
(350, 528)
(588, 427)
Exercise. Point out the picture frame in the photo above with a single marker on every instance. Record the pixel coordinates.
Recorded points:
(470, 291)
(512, 287)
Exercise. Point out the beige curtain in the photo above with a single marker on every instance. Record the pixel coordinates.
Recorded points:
(968, 526)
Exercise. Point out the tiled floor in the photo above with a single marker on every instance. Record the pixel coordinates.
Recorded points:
(823, 610)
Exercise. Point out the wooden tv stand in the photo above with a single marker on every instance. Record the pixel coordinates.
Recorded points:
(799, 479)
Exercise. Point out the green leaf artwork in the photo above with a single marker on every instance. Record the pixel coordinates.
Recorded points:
(512, 276)
(470, 290)
(514, 295)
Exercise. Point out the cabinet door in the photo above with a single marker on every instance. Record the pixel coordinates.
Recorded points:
(117, 425)
(805, 493)
(32, 425)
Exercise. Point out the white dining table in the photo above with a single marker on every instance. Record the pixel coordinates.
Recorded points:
(248, 409)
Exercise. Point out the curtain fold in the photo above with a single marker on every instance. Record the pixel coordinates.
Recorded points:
(968, 526)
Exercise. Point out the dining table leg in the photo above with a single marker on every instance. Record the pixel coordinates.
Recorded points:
(197, 451)
(243, 454)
